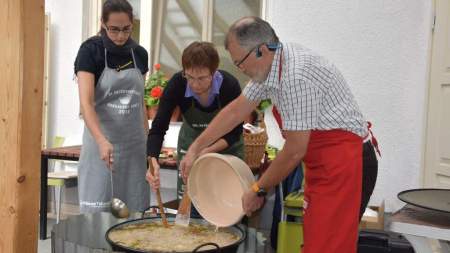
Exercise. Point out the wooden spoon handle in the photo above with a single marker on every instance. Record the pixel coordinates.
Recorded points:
(185, 204)
(161, 209)
(158, 197)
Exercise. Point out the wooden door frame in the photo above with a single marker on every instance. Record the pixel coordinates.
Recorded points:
(429, 150)
(46, 85)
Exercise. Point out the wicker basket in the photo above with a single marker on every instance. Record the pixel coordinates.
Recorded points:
(254, 147)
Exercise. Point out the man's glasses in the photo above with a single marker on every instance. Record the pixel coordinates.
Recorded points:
(114, 30)
(238, 64)
(192, 79)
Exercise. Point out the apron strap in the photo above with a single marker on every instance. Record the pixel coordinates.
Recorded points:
(106, 61)
(372, 138)
(134, 59)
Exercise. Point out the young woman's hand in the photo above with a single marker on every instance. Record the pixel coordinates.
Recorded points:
(106, 152)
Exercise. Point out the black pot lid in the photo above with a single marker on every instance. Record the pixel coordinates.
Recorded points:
(433, 199)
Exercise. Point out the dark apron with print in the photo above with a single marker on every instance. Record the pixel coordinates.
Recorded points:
(119, 107)
(194, 122)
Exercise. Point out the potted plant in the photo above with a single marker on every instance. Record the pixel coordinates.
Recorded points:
(154, 87)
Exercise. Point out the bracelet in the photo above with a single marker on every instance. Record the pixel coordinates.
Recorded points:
(255, 187)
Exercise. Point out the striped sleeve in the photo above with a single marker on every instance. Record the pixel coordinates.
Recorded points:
(254, 91)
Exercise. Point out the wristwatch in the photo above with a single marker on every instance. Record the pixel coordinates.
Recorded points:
(260, 192)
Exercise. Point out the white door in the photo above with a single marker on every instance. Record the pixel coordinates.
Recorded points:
(437, 156)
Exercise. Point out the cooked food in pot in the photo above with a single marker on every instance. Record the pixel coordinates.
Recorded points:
(153, 236)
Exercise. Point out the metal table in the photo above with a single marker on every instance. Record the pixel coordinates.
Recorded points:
(424, 228)
(86, 234)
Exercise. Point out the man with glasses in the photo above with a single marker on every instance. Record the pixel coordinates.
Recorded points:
(323, 127)
(201, 91)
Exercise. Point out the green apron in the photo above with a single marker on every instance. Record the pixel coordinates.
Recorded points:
(194, 122)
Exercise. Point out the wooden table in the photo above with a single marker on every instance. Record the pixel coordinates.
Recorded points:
(70, 153)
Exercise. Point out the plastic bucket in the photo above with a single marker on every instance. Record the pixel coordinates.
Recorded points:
(216, 184)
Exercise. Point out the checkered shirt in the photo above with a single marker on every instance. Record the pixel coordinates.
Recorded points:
(312, 93)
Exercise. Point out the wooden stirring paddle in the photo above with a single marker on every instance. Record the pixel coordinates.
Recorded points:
(158, 197)
(184, 210)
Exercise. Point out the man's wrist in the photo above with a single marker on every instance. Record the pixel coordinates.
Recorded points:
(194, 149)
(260, 192)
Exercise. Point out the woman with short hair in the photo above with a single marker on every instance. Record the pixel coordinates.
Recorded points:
(201, 91)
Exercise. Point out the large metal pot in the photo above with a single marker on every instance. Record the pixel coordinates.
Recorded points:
(237, 230)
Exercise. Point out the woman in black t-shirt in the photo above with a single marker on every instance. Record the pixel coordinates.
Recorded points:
(110, 69)
(201, 91)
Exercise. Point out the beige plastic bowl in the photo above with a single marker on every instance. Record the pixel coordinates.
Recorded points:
(216, 184)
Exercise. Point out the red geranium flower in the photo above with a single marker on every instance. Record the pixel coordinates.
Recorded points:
(157, 66)
(156, 92)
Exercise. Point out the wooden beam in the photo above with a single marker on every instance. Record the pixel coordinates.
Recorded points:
(220, 23)
(21, 71)
(172, 48)
(207, 20)
(161, 8)
(45, 89)
(189, 11)
(145, 35)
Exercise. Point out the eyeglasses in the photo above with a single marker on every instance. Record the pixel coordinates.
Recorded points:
(192, 79)
(238, 64)
(114, 30)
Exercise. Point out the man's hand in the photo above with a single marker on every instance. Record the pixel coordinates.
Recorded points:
(204, 151)
(251, 202)
(186, 164)
(153, 180)
(106, 152)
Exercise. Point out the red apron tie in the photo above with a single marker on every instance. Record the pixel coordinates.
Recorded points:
(372, 138)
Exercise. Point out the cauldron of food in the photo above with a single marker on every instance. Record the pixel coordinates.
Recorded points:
(148, 234)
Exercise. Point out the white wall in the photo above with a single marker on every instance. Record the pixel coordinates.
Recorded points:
(65, 39)
(382, 48)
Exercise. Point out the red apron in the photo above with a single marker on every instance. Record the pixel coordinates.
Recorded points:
(333, 192)
(333, 189)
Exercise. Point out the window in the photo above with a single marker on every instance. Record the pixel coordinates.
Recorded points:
(177, 24)
(223, 17)
(166, 27)
(137, 19)
(183, 22)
